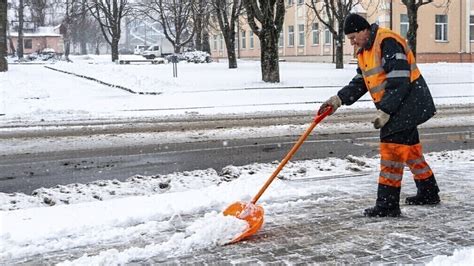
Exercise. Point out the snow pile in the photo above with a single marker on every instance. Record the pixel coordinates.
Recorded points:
(138, 185)
(212, 230)
(32, 231)
(230, 173)
(110, 189)
(460, 257)
(197, 57)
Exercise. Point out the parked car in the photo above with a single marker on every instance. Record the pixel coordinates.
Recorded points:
(139, 49)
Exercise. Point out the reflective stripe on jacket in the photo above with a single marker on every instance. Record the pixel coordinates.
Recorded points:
(371, 64)
(394, 81)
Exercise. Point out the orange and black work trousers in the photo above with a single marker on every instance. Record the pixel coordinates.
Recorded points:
(399, 150)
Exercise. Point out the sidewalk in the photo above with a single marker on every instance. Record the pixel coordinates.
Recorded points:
(335, 231)
(326, 226)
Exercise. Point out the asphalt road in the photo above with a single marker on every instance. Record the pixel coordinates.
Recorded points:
(29, 171)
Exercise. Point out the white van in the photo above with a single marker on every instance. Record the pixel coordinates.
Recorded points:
(158, 50)
(139, 49)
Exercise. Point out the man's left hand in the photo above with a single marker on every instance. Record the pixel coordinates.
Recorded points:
(381, 119)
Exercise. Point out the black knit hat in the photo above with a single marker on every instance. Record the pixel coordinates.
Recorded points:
(355, 23)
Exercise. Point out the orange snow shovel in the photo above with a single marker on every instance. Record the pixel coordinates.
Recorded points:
(252, 213)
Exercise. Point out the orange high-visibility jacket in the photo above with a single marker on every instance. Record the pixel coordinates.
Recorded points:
(371, 64)
(387, 69)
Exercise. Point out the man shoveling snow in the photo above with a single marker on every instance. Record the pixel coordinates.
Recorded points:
(387, 70)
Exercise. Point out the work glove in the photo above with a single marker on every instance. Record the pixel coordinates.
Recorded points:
(380, 119)
(334, 101)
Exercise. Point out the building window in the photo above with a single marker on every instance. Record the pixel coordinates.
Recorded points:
(404, 24)
(291, 36)
(244, 40)
(290, 2)
(471, 28)
(215, 42)
(28, 43)
(327, 36)
(315, 32)
(221, 42)
(251, 40)
(281, 40)
(301, 35)
(300, 2)
(441, 26)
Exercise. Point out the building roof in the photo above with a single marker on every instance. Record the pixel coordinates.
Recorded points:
(40, 32)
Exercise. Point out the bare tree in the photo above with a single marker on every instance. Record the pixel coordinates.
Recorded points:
(21, 20)
(412, 13)
(202, 31)
(109, 15)
(55, 12)
(79, 27)
(265, 18)
(206, 45)
(72, 11)
(11, 42)
(3, 35)
(198, 23)
(38, 10)
(332, 14)
(202, 20)
(175, 17)
(83, 28)
(227, 13)
(96, 37)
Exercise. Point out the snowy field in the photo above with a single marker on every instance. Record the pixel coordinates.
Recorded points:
(78, 215)
(200, 89)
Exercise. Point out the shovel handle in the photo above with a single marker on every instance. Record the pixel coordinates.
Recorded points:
(293, 150)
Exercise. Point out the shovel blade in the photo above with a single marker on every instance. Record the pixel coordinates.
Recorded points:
(251, 213)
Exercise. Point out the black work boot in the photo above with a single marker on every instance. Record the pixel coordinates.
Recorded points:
(427, 192)
(387, 203)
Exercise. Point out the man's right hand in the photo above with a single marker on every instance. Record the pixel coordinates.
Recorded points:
(334, 101)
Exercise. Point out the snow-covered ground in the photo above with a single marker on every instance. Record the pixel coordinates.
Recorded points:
(78, 215)
(113, 211)
(200, 89)
(107, 211)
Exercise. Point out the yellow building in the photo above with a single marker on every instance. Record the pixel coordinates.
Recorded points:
(445, 32)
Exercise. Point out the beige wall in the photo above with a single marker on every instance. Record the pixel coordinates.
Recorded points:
(39, 43)
(457, 47)
(426, 27)
(248, 51)
(295, 15)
